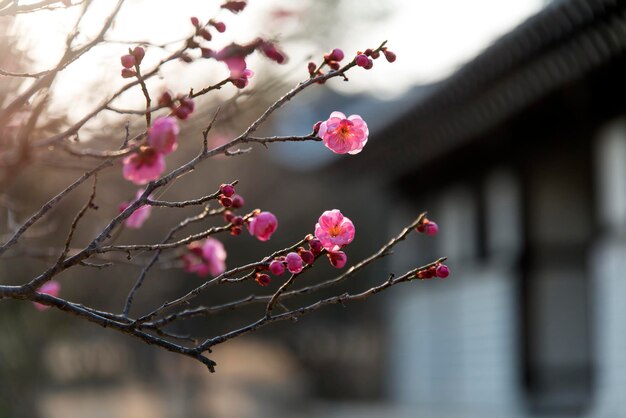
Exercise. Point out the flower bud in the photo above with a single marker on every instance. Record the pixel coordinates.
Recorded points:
(307, 256)
(139, 53)
(228, 216)
(277, 267)
(219, 26)
(195, 21)
(205, 34)
(390, 56)
(316, 246)
(362, 60)
(442, 271)
(225, 201)
(336, 55)
(262, 279)
(235, 230)
(337, 259)
(294, 263)
(165, 99)
(237, 201)
(234, 6)
(227, 190)
(128, 73)
(128, 61)
(237, 221)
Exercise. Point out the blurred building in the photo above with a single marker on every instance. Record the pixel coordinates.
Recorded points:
(520, 156)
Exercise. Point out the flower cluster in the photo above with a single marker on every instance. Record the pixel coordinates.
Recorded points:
(437, 270)
(365, 59)
(148, 163)
(428, 227)
(332, 232)
(131, 61)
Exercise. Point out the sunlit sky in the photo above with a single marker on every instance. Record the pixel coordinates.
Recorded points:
(431, 39)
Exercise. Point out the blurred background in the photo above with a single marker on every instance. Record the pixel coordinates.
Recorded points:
(504, 120)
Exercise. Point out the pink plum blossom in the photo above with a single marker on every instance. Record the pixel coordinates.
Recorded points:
(337, 259)
(263, 225)
(139, 216)
(208, 257)
(144, 166)
(163, 135)
(334, 230)
(52, 288)
(344, 135)
(294, 263)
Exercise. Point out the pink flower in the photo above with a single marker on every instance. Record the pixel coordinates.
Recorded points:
(205, 258)
(263, 225)
(163, 134)
(337, 259)
(294, 263)
(242, 81)
(334, 230)
(51, 288)
(139, 216)
(344, 135)
(144, 166)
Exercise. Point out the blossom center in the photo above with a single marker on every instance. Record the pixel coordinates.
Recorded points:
(335, 231)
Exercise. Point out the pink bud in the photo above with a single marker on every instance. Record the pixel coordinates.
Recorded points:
(207, 52)
(237, 221)
(277, 267)
(442, 271)
(227, 190)
(237, 201)
(369, 64)
(431, 228)
(294, 263)
(307, 256)
(225, 201)
(311, 67)
(165, 99)
(139, 53)
(228, 216)
(336, 54)
(195, 21)
(390, 56)
(128, 73)
(375, 54)
(262, 279)
(316, 127)
(234, 6)
(337, 259)
(128, 61)
(334, 65)
(235, 230)
(182, 112)
(52, 288)
(316, 246)
(219, 26)
(205, 34)
(362, 60)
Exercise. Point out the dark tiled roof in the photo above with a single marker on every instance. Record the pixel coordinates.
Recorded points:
(561, 44)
